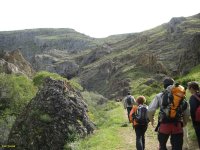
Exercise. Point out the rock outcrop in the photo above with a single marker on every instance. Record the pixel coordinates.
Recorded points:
(56, 61)
(173, 24)
(8, 68)
(191, 56)
(150, 63)
(14, 62)
(52, 119)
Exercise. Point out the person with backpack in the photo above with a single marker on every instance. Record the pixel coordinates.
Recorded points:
(194, 101)
(138, 116)
(174, 114)
(129, 101)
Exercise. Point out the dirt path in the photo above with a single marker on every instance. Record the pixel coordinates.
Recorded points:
(129, 138)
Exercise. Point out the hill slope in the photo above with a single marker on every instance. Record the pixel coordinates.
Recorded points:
(112, 65)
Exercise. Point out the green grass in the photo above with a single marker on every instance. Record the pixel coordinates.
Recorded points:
(40, 76)
(108, 124)
(193, 74)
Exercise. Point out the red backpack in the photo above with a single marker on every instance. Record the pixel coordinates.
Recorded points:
(197, 113)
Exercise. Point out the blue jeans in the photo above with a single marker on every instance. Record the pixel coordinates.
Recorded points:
(140, 136)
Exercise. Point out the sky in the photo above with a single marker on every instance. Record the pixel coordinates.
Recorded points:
(96, 18)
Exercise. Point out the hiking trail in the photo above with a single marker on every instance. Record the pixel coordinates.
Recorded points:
(151, 142)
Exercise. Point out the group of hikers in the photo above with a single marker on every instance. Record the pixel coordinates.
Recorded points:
(174, 113)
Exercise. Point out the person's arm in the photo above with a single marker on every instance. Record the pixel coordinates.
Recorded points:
(134, 101)
(152, 109)
(131, 113)
(124, 103)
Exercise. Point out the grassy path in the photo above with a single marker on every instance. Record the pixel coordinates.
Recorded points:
(115, 133)
(150, 137)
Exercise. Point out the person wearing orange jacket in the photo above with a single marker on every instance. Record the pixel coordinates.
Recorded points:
(139, 126)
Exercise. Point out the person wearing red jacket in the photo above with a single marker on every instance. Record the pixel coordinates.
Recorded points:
(165, 129)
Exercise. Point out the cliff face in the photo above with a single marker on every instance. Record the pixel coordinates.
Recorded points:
(171, 49)
(14, 62)
(38, 40)
(191, 56)
(52, 119)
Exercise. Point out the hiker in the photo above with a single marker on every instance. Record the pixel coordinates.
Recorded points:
(138, 116)
(194, 101)
(170, 120)
(129, 101)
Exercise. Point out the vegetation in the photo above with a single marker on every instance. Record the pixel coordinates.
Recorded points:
(40, 76)
(168, 41)
(15, 93)
(108, 119)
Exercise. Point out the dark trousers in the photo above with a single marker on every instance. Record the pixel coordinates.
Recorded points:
(128, 112)
(197, 131)
(176, 141)
(140, 136)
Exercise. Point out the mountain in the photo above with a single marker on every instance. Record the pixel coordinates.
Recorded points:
(34, 41)
(112, 65)
(170, 49)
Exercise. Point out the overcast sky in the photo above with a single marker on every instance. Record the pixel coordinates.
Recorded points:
(96, 18)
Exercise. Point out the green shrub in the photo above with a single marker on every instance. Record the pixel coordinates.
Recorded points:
(16, 92)
(74, 82)
(40, 76)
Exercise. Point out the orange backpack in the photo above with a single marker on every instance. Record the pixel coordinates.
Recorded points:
(178, 93)
(173, 103)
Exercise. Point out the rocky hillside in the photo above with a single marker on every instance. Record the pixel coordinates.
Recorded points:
(35, 41)
(54, 118)
(111, 65)
(14, 62)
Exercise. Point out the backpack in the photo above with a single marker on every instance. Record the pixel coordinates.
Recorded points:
(197, 112)
(129, 100)
(141, 115)
(173, 103)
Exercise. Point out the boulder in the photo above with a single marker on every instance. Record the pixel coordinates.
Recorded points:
(52, 119)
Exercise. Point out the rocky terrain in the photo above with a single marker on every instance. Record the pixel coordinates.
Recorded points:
(54, 118)
(14, 62)
(109, 65)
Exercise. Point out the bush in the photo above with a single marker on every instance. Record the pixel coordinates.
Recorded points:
(15, 93)
(40, 76)
(75, 84)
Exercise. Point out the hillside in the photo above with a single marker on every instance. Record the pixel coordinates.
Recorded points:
(60, 111)
(172, 49)
(35, 41)
(112, 65)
